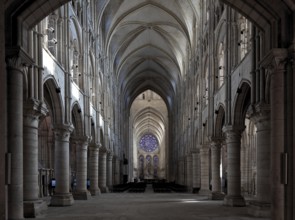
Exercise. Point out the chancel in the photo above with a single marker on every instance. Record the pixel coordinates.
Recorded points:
(172, 102)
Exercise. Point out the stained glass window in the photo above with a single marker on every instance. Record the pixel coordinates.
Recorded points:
(156, 164)
(148, 142)
(141, 167)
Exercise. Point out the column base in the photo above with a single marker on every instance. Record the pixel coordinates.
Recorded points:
(95, 192)
(62, 200)
(33, 209)
(204, 192)
(217, 196)
(259, 209)
(234, 201)
(81, 195)
(104, 189)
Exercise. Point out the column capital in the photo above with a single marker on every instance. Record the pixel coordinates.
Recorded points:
(260, 115)
(103, 150)
(82, 139)
(233, 133)
(35, 108)
(275, 59)
(110, 156)
(19, 59)
(62, 132)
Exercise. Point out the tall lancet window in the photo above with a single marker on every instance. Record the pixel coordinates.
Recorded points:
(156, 166)
(244, 43)
(141, 167)
(220, 76)
(148, 166)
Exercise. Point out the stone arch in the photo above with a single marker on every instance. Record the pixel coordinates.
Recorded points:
(219, 121)
(77, 120)
(101, 137)
(241, 104)
(205, 138)
(93, 131)
(53, 100)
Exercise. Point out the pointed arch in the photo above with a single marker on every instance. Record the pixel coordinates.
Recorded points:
(219, 121)
(242, 103)
(53, 100)
(77, 119)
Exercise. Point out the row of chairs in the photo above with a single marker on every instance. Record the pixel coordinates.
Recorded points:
(168, 187)
(161, 187)
(121, 187)
(137, 187)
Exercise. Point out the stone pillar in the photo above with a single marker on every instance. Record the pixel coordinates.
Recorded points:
(81, 192)
(33, 206)
(103, 171)
(275, 62)
(62, 195)
(181, 171)
(261, 206)
(93, 175)
(195, 171)
(117, 180)
(233, 142)
(215, 166)
(189, 172)
(204, 156)
(15, 73)
(110, 171)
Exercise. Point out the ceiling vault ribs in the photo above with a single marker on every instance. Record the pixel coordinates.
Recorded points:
(149, 46)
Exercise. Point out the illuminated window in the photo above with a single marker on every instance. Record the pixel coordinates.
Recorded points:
(148, 143)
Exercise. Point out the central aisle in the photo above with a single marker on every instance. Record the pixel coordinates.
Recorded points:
(148, 206)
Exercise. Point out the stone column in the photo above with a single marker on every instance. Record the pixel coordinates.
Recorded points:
(275, 63)
(233, 142)
(93, 175)
(215, 166)
(181, 171)
(103, 171)
(33, 206)
(15, 71)
(81, 192)
(110, 171)
(204, 156)
(62, 195)
(195, 171)
(117, 180)
(261, 206)
(189, 172)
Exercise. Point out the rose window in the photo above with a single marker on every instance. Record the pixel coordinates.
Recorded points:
(148, 143)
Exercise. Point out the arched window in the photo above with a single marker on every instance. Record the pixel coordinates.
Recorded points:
(141, 167)
(156, 165)
(206, 87)
(148, 165)
(220, 76)
(245, 35)
(51, 33)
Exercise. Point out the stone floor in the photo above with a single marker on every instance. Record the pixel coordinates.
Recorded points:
(147, 206)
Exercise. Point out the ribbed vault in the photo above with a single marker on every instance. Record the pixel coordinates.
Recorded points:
(148, 44)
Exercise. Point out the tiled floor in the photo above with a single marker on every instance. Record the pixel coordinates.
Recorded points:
(148, 206)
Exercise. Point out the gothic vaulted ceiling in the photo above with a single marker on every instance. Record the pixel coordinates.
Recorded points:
(149, 43)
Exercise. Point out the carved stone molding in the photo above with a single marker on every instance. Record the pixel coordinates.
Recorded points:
(233, 134)
(35, 108)
(275, 60)
(18, 59)
(260, 115)
(63, 132)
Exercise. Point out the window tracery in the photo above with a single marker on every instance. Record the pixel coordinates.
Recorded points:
(245, 34)
(148, 143)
